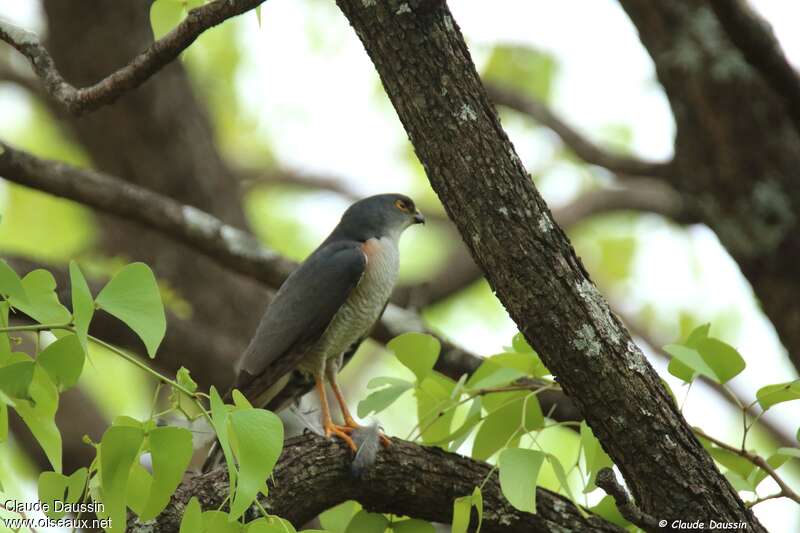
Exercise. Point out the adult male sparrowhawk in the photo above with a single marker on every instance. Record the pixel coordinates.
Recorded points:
(328, 304)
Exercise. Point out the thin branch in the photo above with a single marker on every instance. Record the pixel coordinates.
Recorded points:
(754, 37)
(236, 249)
(156, 56)
(314, 474)
(607, 481)
(583, 147)
(757, 460)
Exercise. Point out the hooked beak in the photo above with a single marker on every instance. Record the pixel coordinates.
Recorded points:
(419, 218)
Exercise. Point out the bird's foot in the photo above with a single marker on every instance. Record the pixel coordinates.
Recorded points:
(351, 425)
(342, 432)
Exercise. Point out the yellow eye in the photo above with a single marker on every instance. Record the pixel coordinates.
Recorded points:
(401, 205)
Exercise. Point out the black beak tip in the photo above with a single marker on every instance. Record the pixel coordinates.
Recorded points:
(419, 218)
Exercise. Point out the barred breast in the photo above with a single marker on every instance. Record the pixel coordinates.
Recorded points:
(362, 307)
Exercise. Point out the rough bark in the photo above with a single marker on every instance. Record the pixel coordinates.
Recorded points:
(313, 474)
(428, 74)
(737, 150)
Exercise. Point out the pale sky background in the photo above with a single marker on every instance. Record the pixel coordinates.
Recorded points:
(319, 104)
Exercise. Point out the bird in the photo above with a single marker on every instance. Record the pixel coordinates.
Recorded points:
(327, 306)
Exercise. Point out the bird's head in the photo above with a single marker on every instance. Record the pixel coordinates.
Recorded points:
(382, 215)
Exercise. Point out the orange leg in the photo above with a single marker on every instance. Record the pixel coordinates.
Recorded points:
(327, 424)
(349, 421)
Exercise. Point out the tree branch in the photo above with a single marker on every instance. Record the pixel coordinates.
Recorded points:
(428, 74)
(754, 37)
(313, 474)
(230, 246)
(142, 67)
(607, 481)
(583, 147)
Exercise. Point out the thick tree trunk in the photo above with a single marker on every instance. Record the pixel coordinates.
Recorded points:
(428, 74)
(737, 151)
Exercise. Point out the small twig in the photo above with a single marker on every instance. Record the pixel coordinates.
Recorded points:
(607, 481)
(140, 69)
(764, 498)
(757, 460)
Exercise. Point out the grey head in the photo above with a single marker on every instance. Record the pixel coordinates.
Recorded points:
(382, 215)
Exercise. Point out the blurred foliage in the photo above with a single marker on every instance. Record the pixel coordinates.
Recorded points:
(529, 70)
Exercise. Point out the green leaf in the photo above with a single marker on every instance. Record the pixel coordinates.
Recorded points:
(412, 525)
(185, 380)
(561, 476)
(366, 522)
(692, 359)
(119, 448)
(41, 303)
(520, 343)
(778, 393)
(258, 437)
(433, 397)
(491, 374)
(240, 401)
(192, 520)
(219, 419)
(164, 16)
(39, 415)
(336, 518)
(698, 334)
(594, 455)
(504, 421)
(52, 489)
(519, 470)
(139, 484)
(132, 296)
(380, 399)
(10, 284)
(171, 451)
(64, 489)
(15, 379)
(217, 522)
(63, 361)
(477, 502)
(458, 436)
(82, 304)
(461, 513)
(680, 370)
(462, 507)
(724, 359)
(417, 351)
(607, 509)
